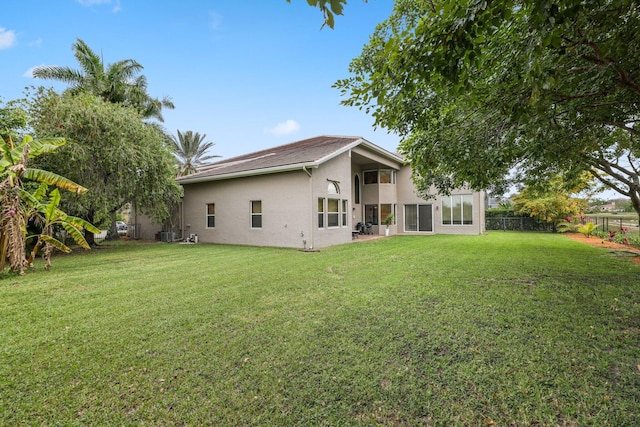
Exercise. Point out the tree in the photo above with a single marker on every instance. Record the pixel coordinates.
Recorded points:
(190, 150)
(552, 202)
(19, 206)
(111, 150)
(118, 82)
(481, 90)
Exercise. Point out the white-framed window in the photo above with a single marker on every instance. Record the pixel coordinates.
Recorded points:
(320, 212)
(387, 209)
(380, 176)
(370, 177)
(333, 187)
(457, 209)
(387, 176)
(256, 214)
(211, 215)
(333, 212)
(345, 213)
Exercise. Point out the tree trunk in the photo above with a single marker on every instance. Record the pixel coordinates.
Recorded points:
(635, 202)
(88, 235)
(90, 238)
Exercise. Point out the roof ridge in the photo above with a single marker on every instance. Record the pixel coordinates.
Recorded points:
(279, 147)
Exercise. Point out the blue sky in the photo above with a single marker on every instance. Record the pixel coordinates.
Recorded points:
(250, 74)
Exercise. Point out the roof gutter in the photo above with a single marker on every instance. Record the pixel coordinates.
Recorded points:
(254, 172)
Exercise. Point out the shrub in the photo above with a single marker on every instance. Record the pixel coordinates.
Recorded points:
(587, 229)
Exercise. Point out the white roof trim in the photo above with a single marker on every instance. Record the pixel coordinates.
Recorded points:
(365, 143)
(253, 172)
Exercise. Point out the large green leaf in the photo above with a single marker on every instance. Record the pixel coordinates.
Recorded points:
(75, 233)
(51, 178)
(41, 191)
(52, 206)
(55, 242)
(44, 145)
(31, 200)
(81, 223)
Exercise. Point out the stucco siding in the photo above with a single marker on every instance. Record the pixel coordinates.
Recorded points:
(407, 195)
(286, 212)
(336, 170)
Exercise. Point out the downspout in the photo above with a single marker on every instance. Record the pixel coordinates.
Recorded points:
(182, 230)
(311, 228)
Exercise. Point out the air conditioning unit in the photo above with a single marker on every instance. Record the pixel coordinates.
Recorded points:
(167, 236)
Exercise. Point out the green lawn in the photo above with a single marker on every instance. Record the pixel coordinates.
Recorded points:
(508, 329)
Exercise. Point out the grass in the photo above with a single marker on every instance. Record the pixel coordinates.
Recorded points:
(504, 329)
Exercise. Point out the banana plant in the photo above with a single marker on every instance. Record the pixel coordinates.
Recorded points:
(15, 211)
(46, 214)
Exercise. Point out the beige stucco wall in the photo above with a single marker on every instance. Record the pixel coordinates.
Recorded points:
(407, 194)
(337, 169)
(286, 210)
(145, 227)
(289, 208)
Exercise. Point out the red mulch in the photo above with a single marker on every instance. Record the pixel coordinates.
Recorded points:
(604, 243)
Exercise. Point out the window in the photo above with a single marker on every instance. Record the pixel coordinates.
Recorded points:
(333, 214)
(457, 209)
(345, 212)
(211, 215)
(371, 177)
(418, 218)
(371, 214)
(321, 212)
(333, 188)
(385, 211)
(387, 176)
(356, 188)
(256, 214)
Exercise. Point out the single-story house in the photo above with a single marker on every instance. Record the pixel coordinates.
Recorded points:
(312, 193)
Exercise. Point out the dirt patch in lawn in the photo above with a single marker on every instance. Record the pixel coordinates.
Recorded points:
(604, 243)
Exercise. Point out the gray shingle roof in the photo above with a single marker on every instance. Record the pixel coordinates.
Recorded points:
(309, 152)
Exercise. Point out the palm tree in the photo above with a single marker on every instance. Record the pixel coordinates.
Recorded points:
(117, 83)
(189, 149)
(136, 96)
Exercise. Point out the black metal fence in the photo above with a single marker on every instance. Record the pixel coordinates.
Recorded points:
(517, 223)
(614, 223)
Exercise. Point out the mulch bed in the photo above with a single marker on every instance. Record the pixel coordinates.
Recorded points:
(604, 243)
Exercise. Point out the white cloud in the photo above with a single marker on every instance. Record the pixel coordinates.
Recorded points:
(89, 3)
(7, 38)
(284, 128)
